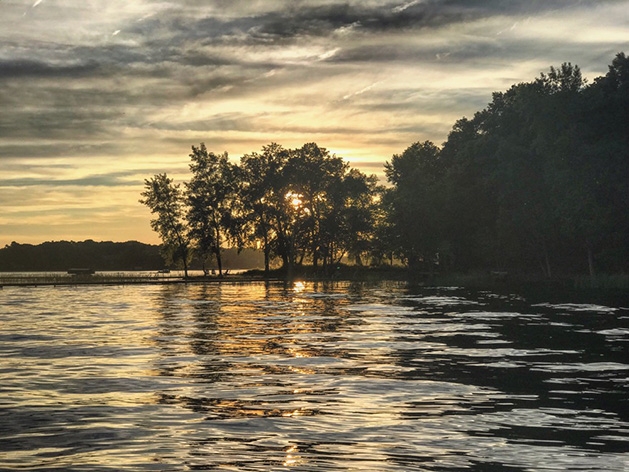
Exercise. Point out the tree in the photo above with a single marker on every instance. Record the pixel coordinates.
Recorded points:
(262, 196)
(416, 203)
(541, 174)
(470, 195)
(213, 203)
(313, 174)
(305, 204)
(165, 200)
(347, 226)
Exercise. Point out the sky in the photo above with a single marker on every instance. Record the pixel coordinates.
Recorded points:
(98, 95)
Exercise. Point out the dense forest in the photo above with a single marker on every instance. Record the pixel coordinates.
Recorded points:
(101, 256)
(537, 182)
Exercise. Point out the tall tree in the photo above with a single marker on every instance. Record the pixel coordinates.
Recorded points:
(606, 145)
(416, 203)
(213, 204)
(165, 200)
(348, 224)
(262, 195)
(313, 173)
(541, 174)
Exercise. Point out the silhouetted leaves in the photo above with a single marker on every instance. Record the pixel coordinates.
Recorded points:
(538, 180)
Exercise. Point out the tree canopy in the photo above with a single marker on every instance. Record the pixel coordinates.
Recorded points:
(299, 206)
(537, 181)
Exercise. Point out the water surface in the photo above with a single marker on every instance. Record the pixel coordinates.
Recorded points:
(338, 377)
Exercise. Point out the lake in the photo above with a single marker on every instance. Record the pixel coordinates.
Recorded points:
(309, 377)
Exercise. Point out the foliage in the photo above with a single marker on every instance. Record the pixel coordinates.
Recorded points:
(297, 205)
(414, 203)
(212, 198)
(164, 199)
(538, 180)
(262, 195)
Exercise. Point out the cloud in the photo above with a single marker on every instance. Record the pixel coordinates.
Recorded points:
(114, 179)
(361, 91)
(117, 91)
(25, 68)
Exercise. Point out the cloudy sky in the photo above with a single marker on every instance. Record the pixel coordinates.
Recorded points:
(97, 95)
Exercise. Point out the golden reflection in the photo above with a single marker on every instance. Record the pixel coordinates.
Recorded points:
(241, 319)
(226, 334)
(298, 352)
(292, 456)
(225, 408)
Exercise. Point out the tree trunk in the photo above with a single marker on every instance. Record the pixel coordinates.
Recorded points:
(219, 262)
(286, 261)
(217, 250)
(267, 257)
(185, 266)
(183, 250)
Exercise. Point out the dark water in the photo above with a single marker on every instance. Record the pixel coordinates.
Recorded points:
(342, 377)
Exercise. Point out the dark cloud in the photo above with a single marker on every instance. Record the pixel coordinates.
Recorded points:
(406, 101)
(63, 122)
(68, 149)
(304, 19)
(25, 68)
(115, 179)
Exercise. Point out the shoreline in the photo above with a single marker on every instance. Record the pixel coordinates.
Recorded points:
(53, 281)
(574, 288)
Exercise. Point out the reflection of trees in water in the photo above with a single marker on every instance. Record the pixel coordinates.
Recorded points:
(273, 374)
(507, 358)
(229, 337)
(263, 352)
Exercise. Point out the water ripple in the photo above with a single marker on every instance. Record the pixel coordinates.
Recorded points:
(333, 376)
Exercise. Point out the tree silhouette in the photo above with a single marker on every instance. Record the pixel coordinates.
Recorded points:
(165, 200)
(261, 195)
(538, 180)
(212, 199)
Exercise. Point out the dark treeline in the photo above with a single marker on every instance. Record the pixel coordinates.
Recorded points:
(102, 256)
(538, 181)
(296, 205)
(63, 255)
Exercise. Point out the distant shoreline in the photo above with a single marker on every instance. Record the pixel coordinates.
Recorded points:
(114, 279)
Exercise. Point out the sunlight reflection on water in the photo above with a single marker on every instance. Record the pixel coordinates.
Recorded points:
(307, 377)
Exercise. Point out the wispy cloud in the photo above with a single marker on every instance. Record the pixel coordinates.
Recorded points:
(361, 91)
(405, 6)
(95, 86)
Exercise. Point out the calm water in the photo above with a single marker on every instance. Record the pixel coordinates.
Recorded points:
(309, 377)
